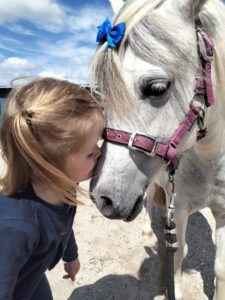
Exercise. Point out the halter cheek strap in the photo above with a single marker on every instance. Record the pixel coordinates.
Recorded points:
(204, 77)
(168, 151)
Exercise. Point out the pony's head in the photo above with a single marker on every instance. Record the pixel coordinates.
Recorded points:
(147, 84)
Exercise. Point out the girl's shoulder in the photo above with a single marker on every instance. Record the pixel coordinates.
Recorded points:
(18, 226)
(17, 207)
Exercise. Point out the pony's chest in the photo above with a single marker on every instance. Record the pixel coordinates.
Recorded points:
(195, 182)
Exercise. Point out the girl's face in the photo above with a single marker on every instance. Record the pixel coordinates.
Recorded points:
(80, 166)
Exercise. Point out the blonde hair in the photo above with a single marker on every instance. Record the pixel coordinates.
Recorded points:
(34, 142)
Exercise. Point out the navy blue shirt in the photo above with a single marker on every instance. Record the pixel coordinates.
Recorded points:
(34, 235)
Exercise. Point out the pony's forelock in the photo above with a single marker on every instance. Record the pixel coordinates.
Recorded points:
(106, 66)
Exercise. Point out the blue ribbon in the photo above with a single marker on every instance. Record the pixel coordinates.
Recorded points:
(113, 35)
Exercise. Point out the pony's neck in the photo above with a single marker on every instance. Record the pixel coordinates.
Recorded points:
(212, 145)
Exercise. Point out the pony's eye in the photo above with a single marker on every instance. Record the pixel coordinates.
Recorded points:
(154, 89)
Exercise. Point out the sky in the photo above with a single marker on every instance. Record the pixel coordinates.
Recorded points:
(54, 38)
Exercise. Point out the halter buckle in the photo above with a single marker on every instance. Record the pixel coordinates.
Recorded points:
(132, 147)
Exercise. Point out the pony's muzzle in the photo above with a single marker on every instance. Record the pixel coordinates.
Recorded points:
(107, 208)
(110, 211)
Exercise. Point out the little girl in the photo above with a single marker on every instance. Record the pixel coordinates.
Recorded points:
(49, 138)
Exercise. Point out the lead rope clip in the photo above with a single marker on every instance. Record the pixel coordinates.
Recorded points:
(170, 226)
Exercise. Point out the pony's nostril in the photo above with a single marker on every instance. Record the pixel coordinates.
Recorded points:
(106, 202)
(107, 208)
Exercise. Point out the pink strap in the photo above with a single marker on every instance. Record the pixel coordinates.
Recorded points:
(181, 132)
(204, 86)
(151, 146)
(138, 142)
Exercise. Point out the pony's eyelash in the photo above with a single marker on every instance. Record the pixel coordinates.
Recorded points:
(154, 89)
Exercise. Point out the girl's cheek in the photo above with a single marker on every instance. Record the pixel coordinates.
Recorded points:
(94, 163)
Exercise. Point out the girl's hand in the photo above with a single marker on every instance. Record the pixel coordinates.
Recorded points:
(71, 269)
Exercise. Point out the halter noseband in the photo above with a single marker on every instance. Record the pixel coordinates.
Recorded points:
(203, 87)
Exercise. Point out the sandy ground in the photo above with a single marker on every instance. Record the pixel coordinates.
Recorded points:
(117, 263)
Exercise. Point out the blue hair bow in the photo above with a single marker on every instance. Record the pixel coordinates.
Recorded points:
(113, 35)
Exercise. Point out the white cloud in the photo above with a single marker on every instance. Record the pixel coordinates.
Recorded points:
(10, 44)
(77, 75)
(87, 18)
(14, 67)
(51, 73)
(16, 63)
(7, 76)
(66, 48)
(45, 13)
(74, 67)
(17, 28)
(61, 48)
(66, 58)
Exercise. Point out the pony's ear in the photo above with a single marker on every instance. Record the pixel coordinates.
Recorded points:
(116, 5)
(190, 8)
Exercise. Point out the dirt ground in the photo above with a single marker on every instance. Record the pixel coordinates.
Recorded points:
(118, 263)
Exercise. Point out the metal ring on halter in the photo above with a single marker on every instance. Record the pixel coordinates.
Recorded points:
(202, 106)
(165, 162)
(200, 119)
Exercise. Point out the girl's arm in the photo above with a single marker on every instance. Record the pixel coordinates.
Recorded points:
(17, 239)
(70, 257)
(71, 251)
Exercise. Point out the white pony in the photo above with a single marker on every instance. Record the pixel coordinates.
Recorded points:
(147, 83)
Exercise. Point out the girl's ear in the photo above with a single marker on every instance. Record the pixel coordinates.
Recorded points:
(189, 8)
(116, 5)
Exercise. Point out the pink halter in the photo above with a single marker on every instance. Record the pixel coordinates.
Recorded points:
(203, 87)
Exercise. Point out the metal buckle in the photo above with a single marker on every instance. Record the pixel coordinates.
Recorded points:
(131, 147)
(202, 46)
(170, 231)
